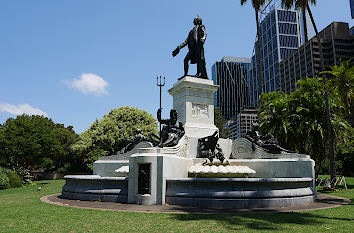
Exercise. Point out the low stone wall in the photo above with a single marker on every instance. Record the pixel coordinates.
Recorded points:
(96, 188)
(239, 192)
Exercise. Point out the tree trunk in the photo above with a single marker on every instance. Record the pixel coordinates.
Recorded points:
(260, 55)
(332, 167)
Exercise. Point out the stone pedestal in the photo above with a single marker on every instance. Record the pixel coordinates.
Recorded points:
(162, 166)
(193, 98)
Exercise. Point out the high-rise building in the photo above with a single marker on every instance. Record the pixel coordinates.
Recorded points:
(231, 74)
(352, 7)
(337, 44)
(281, 34)
(242, 123)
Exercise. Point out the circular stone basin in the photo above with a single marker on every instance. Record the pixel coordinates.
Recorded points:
(220, 171)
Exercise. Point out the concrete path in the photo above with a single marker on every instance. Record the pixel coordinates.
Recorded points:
(323, 202)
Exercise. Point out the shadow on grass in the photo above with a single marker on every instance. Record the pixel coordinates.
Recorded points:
(266, 219)
(255, 221)
(42, 183)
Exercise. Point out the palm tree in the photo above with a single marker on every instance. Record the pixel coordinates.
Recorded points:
(257, 4)
(304, 5)
(343, 82)
(298, 120)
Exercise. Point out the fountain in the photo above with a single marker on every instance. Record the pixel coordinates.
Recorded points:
(200, 169)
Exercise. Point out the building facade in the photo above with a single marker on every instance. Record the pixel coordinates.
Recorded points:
(242, 123)
(231, 74)
(280, 36)
(337, 44)
(352, 7)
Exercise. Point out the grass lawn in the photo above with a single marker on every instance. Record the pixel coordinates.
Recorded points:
(22, 211)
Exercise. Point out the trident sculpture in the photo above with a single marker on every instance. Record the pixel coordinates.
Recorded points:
(160, 84)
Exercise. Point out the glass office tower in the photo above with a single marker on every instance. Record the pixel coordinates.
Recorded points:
(231, 74)
(280, 36)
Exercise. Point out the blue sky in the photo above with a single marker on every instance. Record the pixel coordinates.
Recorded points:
(74, 61)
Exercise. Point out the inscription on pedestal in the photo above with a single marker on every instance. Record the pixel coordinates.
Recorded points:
(144, 179)
(200, 111)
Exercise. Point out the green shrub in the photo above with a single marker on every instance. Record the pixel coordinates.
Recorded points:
(4, 179)
(25, 175)
(64, 170)
(15, 180)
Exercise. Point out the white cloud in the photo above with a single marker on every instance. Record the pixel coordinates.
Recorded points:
(21, 109)
(89, 84)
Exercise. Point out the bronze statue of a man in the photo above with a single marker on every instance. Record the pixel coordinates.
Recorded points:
(195, 55)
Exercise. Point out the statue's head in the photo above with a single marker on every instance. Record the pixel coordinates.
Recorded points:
(197, 20)
(173, 114)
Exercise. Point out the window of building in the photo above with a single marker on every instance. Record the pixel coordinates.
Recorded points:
(287, 16)
(288, 41)
(288, 28)
(284, 52)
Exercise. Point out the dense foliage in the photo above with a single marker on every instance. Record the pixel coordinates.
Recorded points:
(35, 141)
(298, 120)
(108, 135)
(342, 82)
(4, 178)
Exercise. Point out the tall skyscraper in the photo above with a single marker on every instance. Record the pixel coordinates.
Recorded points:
(231, 74)
(337, 44)
(280, 36)
(352, 7)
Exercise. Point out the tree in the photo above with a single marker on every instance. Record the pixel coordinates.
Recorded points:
(345, 154)
(108, 135)
(30, 140)
(304, 5)
(2, 146)
(66, 137)
(298, 120)
(257, 4)
(274, 112)
(343, 83)
(220, 122)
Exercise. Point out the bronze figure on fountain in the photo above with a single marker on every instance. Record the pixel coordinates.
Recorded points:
(195, 55)
(172, 131)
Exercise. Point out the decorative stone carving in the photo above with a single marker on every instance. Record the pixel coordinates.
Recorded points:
(138, 137)
(125, 155)
(220, 171)
(180, 150)
(242, 149)
(200, 110)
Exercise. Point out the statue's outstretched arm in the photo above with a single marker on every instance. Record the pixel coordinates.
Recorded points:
(176, 51)
(183, 44)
